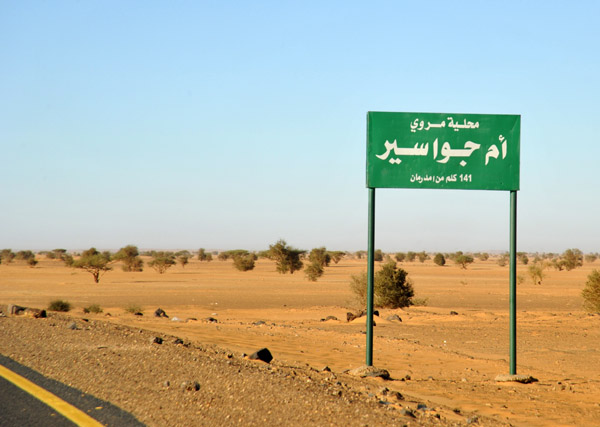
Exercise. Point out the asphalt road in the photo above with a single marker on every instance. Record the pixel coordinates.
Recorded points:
(20, 408)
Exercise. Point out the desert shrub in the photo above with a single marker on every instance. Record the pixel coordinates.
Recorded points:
(94, 308)
(202, 255)
(420, 302)
(410, 256)
(590, 258)
(591, 292)
(32, 262)
(313, 271)
(536, 272)
(7, 256)
(571, 259)
(24, 255)
(391, 287)
(183, 260)
(520, 279)
(484, 256)
(286, 257)
(133, 308)
(463, 260)
(319, 256)
(400, 256)
(130, 257)
(244, 262)
(378, 255)
(439, 259)
(523, 258)
(503, 260)
(59, 305)
(162, 261)
(422, 256)
(360, 254)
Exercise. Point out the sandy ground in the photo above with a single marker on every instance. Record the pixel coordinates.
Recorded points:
(451, 359)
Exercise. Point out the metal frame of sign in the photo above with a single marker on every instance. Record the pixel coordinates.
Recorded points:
(444, 151)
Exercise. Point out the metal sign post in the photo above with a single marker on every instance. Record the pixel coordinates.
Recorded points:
(443, 151)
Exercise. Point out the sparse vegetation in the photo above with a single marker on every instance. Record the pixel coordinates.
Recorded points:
(7, 256)
(183, 260)
(287, 258)
(319, 259)
(94, 308)
(439, 259)
(503, 260)
(162, 261)
(591, 292)
(133, 309)
(244, 262)
(130, 257)
(536, 272)
(93, 262)
(420, 302)
(463, 260)
(392, 288)
(59, 305)
(378, 255)
(422, 256)
(410, 256)
(400, 256)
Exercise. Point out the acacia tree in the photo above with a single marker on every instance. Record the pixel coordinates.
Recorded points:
(162, 261)
(93, 262)
(130, 257)
(463, 260)
(183, 260)
(286, 257)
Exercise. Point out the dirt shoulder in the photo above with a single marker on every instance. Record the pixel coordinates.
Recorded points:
(157, 382)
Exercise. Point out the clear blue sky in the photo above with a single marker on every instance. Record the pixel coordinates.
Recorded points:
(233, 124)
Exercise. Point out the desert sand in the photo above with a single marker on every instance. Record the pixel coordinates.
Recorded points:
(447, 361)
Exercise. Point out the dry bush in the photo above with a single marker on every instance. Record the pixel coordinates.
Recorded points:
(591, 292)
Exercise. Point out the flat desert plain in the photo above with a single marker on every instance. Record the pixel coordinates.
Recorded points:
(446, 354)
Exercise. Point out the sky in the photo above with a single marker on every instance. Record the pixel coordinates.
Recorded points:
(223, 125)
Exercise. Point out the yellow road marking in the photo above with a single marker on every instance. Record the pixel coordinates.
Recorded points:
(67, 410)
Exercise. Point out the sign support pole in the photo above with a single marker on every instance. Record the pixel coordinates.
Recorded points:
(370, 276)
(513, 282)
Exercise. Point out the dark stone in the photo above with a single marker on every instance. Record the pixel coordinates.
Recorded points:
(422, 406)
(259, 323)
(453, 313)
(157, 340)
(211, 320)
(139, 313)
(473, 420)
(329, 318)
(263, 354)
(350, 317)
(160, 313)
(178, 341)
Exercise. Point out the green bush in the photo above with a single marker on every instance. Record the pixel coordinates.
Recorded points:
(94, 308)
(59, 305)
(244, 262)
(439, 259)
(313, 271)
(591, 292)
(392, 289)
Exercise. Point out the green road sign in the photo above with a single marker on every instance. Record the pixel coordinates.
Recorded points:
(443, 150)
